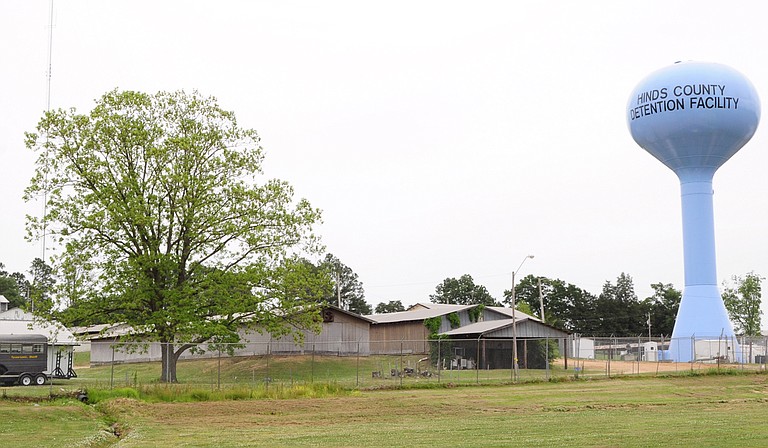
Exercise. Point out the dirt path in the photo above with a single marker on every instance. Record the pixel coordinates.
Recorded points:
(630, 367)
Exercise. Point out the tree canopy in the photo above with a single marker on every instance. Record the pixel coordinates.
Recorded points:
(618, 310)
(10, 288)
(163, 220)
(462, 291)
(348, 291)
(662, 307)
(742, 298)
(393, 306)
(565, 305)
(41, 286)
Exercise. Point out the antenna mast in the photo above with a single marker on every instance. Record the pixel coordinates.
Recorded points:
(47, 109)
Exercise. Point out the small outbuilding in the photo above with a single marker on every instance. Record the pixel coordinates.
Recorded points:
(488, 343)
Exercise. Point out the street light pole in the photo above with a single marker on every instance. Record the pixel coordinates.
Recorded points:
(514, 319)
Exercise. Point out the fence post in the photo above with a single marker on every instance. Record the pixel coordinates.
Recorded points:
(400, 370)
(765, 352)
(477, 361)
(546, 358)
(218, 372)
(357, 367)
(112, 369)
(312, 377)
(693, 350)
(512, 368)
(439, 358)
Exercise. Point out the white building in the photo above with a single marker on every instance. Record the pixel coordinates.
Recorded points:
(61, 341)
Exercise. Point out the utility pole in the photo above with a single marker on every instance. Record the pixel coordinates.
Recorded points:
(514, 321)
(649, 325)
(541, 301)
(338, 289)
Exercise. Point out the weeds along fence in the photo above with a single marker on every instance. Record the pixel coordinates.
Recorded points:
(369, 364)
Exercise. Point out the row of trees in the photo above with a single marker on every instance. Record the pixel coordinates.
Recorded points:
(33, 293)
(617, 310)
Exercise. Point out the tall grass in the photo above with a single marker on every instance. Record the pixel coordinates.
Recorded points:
(182, 393)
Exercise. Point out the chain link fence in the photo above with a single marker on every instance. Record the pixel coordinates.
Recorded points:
(368, 364)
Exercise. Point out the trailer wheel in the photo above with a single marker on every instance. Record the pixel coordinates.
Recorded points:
(25, 380)
(40, 379)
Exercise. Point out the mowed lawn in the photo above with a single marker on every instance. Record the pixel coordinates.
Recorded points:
(699, 411)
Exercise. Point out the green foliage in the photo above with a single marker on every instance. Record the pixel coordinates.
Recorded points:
(348, 289)
(164, 222)
(433, 325)
(617, 310)
(41, 287)
(742, 299)
(11, 288)
(525, 308)
(96, 395)
(186, 394)
(462, 291)
(537, 353)
(440, 347)
(566, 306)
(393, 306)
(453, 319)
(663, 306)
(475, 313)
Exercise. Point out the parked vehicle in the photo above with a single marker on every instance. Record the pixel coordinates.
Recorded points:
(23, 359)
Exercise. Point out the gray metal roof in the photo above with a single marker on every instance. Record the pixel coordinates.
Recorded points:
(420, 311)
(526, 327)
(350, 313)
(508, 312)
(480, 327)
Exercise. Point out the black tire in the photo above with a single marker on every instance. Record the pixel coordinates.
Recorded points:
(25, 380)
(40, 379)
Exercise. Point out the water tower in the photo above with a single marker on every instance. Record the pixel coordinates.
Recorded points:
(693, 117)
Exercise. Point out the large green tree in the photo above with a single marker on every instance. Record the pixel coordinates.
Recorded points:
(348, 293)
(742, 298)
(165, 221)
(462, 291)
(662, 307)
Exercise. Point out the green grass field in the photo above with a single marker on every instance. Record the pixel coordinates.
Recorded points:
(638, 411)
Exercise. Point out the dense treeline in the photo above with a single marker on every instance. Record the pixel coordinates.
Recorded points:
(615, 311)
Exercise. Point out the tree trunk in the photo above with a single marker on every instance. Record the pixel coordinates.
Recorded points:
(169, 359)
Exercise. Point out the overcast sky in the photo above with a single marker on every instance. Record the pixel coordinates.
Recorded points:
(439, 138)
